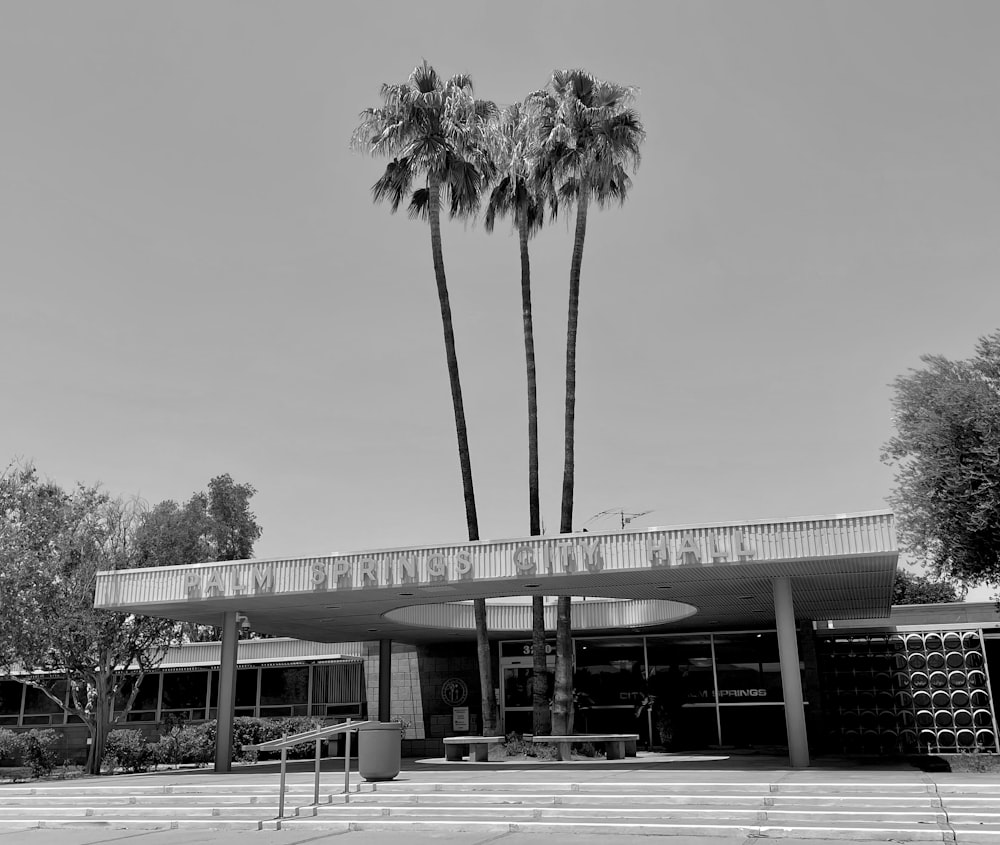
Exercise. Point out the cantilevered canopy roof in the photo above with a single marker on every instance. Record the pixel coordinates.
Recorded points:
(695, 577)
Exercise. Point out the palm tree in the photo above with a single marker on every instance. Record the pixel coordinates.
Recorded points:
(592, 138)
(521, 193)
(434, 130)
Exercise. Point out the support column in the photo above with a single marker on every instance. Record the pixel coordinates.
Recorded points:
(791, 677)
(384, 680)
(227, 694)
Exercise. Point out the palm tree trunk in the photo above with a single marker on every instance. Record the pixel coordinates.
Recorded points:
(569, 457)
(434, 214)
(563, 703)
(534, 508)
(541, 720)
(464, 457)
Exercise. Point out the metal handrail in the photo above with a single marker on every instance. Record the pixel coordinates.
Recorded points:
(317, 734)
(288, 740)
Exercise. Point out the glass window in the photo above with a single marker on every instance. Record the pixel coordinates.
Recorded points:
(286, 685)
(680, 671)
(10, 702)
(284, 691)
(517, 686)
(184, 692)
(39, 709)
(145, 700)
(747, 668)
(246, 689)
(609, 673)
(681, 692)
(753, 727)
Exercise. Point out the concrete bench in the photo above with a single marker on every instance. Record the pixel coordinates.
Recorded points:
(477, 747)
(616, 746)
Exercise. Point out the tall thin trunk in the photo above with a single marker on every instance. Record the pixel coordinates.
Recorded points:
(541, 717)
(540, 721)
(434, 214)
(534, 508)
(569, 465)
(563, 703)
(100, 727)
(465, 460)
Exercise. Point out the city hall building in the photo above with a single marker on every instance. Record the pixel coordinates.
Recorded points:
(770, 634)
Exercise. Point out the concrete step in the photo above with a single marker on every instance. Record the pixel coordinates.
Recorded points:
(857, 832)
(669, 799)
(139, 812)
(849, 811)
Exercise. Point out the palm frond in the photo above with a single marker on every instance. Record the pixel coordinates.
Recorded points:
(424, 78)
(461, 82)
(419, 204)
(464, 184)
(394, 184)
(430, 128)
(499, 204)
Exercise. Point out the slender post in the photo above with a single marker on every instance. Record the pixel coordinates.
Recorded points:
(791, 677)
(281, 785)
(347, 762)
(384, 680)
(715, 688)
(649, 698)
(227, 694)
(316, 784)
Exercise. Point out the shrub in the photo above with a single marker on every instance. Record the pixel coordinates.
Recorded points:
(127, 750)
(252, 731)
(37, 751)
(185, 744)
(11, 745)
(974, 760)
(516, 746)
(166, 750)
(197, 743)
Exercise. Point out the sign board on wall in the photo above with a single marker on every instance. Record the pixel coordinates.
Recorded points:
(460, 719)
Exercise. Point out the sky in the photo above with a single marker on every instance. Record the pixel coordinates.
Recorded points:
(195, 281)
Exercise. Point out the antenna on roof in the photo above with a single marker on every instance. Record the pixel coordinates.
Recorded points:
(624, 516)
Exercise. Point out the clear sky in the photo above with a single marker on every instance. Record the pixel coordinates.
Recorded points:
(194, 279)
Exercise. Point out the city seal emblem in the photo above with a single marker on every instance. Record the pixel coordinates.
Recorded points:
(454, 692)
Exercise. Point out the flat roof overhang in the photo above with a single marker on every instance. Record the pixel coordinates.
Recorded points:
(841, 567)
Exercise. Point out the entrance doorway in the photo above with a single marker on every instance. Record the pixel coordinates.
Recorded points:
(677, 691)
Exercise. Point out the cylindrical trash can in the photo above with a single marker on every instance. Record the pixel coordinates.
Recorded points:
(378, 750)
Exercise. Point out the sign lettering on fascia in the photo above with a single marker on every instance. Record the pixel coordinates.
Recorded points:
(536, 558)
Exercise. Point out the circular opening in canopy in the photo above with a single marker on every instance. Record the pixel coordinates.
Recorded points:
(513, 614)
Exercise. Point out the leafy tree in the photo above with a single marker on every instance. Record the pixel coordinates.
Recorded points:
(52, 544)
(89, 662)
(215, 524)
(522, 191)
(910, 588)
(947, 457)
(591, 139)
(434, 131)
